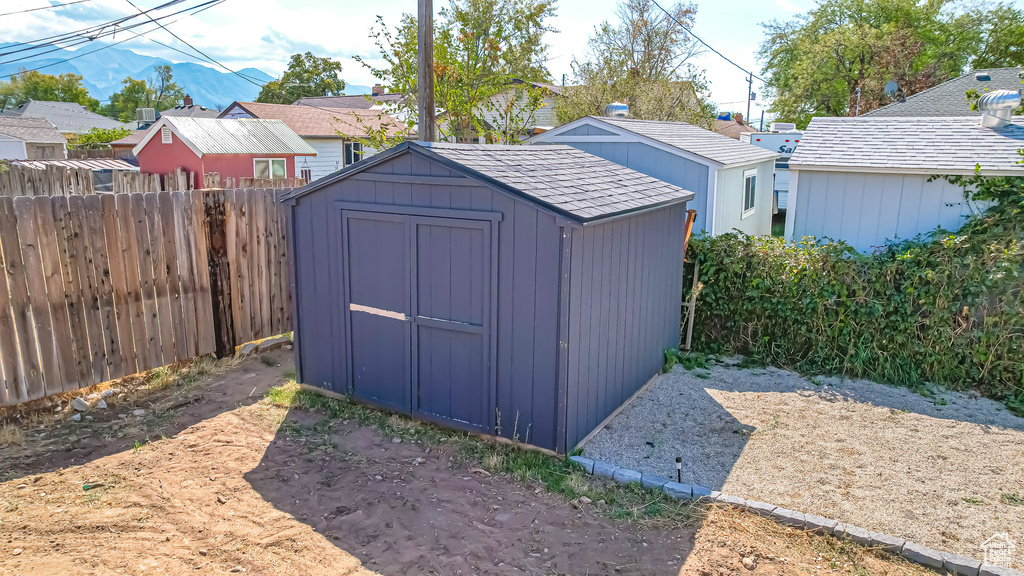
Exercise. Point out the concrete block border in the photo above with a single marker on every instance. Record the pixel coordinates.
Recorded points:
(936, 559)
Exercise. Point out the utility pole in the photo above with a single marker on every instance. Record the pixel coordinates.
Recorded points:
(425, 70)
(750, 94)
(857, 112)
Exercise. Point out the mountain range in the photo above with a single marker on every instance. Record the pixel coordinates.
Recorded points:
(103, 70)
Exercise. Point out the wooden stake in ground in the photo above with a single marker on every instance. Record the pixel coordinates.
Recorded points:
(425, 70)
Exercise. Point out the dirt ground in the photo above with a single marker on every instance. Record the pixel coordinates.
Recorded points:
(214, 479)
(944, 470)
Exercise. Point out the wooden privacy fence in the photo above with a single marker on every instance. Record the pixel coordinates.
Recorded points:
(103, 286)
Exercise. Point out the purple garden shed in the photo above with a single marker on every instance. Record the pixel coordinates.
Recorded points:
(520, 291)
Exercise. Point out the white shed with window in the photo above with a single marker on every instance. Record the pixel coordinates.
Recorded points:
(731, 180)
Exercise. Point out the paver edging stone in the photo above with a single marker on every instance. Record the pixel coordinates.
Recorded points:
(953, 563)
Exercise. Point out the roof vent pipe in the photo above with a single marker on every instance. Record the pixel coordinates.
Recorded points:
(616, 110)
(997, 106)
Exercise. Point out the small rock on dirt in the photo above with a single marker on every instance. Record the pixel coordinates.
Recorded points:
(237, 569)
(202, 552)
(396, 440)
(80, 404)
(101, 404)
(221, 499)
(750, 562)
(107, 393)
(17, 551)
(77, 417)
(585, 500)
(139, 412)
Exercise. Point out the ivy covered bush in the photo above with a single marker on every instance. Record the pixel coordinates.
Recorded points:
(947, 309)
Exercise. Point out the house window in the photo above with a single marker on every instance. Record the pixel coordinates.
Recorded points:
(353, 153)
(749, 187)
(165, 135)
(268, 168)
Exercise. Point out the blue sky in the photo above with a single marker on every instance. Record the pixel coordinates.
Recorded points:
(263, 33)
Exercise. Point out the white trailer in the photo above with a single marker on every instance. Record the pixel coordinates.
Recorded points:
(782, 139)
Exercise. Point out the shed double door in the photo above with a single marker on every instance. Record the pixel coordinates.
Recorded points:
(419, 315)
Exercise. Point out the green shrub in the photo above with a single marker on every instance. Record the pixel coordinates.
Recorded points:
(948, 308)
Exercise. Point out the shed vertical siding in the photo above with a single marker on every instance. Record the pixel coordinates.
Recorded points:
(866, 210)
(625, 291)
(529, 241)
(729, 200)
(657, 163)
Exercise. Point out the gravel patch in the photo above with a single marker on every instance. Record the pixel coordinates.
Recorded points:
(936, 471)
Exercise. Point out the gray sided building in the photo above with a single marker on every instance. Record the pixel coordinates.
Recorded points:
(525, 292)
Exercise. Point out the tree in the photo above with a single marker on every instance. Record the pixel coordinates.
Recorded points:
(480, 46)
(645, 61)
(160, 93)
(97, 138)
(34, 85)
(307, 76)
(817, 61)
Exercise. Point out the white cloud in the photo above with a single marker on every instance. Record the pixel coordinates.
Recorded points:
(787, 6)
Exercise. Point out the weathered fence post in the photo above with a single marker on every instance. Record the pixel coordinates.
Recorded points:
(220, 272)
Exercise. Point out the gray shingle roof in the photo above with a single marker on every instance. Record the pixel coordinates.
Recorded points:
(695, 140)
(950, 97)
(68, 117)
(565, 178)
(241, 136)
(911, 145)
(28, 129)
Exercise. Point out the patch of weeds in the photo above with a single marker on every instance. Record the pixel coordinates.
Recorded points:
(687, 360)
(702, 375)
(817, 381)
(268, 361)
(974, 501)
(289, 374)
(562, 477)
(138, 447)
(1012, 498)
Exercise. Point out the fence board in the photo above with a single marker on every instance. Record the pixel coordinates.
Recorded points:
(115, 295)
(175, 291)
(8, 337)
(73, 291)
(239, 259)
(184, 248)
(24, 209)
(273, 267)
(199, 233)
(165, 334)
(61, 335)
(87, 218)
(30, 371)
(133, 281)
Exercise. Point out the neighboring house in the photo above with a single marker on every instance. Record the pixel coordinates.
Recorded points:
(245, 148)
(950, 97)
(333, 133)
(542, 119)
(68, 117)
(731, 180)
(732, 126)
(783, 139)
(124, 147)
(866, 180)
(473, 285)
(376, 99)
(23, 138)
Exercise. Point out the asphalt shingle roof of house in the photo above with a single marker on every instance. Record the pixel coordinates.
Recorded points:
(29, 129)
(950, 97)
(68, 117)
(695, 140)
(910, 145)
(192, 111)
(565, 178)
(313, 122)
(242, 136)
(357, 101)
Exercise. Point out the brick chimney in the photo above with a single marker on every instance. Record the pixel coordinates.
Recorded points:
(377, 90)
(738, 118)
(187, 100)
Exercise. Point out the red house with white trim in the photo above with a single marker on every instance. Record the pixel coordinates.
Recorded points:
(242, 148)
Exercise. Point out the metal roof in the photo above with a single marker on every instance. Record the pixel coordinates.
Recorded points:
(28, 129)
(223, 136)
(693, 139)
(562, 178)
(88, 164)
(950, 97)
(909, 145)
(68, 117)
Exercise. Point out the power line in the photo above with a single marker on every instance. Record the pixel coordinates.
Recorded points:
(706, 45)
(203, 54)
(44, 7)
(87, 34)
(207, 5)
